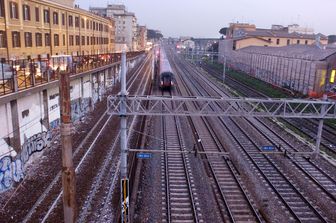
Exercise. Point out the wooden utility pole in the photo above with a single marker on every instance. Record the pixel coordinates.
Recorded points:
(68, 170)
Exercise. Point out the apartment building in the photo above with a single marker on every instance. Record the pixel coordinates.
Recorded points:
(125, 23)
(32, 28)
(141, 37)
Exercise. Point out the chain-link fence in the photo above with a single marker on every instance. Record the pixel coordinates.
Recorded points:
(295, 74)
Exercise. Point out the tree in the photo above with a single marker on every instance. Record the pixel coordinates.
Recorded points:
(223, 31)
(154, 34)
(332, 39)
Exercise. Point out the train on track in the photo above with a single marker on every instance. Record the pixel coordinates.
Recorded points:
(166, 75)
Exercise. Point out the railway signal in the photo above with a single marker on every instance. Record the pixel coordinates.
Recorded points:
(125, 200)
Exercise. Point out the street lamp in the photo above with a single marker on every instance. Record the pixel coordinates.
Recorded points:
(224, 65)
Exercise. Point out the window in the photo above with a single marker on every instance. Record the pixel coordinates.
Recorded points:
(38, 39)
(71, 40)
(83, 40)
(77, 22)
(77, 40)
(26, 12)
(82, 23)
(63, 39)
(55, 18)
(94, 26)
(2, 8)
(46, 16)
(47, 39)
(37, 14)
(16, 39)
(25, 113)
(87, 24)
(87, 40)
(56, 40)
(28, 39)
(63, 19)
(3, 39)
(70, 20)
(306, 42)
(278, 41)
(298, 41)
(288, 41)
(14, 10)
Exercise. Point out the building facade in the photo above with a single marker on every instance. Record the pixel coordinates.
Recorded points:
(307, 69)
(244, 35)
(141, 38)
(32, 28)
(125, 23)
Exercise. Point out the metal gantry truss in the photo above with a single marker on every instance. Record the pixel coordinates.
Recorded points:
(220, 106)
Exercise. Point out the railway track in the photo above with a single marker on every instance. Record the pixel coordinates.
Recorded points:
(179, 193)
(308, 128)
(105, 182)
(234, 203)
(300, 207)
(48, 205)
(312, 171)
(316, 175)
(325, 180)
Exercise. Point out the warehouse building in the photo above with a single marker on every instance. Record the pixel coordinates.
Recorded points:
(243, 35)
(52, 27)
(308, 69)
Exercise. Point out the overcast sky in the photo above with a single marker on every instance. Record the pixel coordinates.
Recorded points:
(198, 18)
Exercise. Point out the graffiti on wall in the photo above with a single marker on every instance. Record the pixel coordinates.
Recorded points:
(76, 111)
(86, 103)
(11, 169)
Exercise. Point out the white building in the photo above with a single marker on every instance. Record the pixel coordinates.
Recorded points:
(295, 28)
(126, 25)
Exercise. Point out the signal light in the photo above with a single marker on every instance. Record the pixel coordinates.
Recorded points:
(332, 77)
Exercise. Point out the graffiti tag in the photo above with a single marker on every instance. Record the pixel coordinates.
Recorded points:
(11, 170)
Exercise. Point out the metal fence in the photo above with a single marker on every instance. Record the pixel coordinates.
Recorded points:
(17, 75)
(295, 74)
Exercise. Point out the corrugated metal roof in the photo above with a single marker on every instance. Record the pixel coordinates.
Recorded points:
(309, 52)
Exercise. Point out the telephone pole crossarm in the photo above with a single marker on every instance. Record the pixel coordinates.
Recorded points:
(220, 106)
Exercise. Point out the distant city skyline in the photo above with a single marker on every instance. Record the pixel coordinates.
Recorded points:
(205, 18)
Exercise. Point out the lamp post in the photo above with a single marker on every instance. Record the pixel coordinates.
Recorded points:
(224, 70)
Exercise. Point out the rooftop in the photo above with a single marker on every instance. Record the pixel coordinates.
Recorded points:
(309, 52)
(277, 33)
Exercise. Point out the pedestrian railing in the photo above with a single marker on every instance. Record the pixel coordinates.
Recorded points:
(17, 75)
